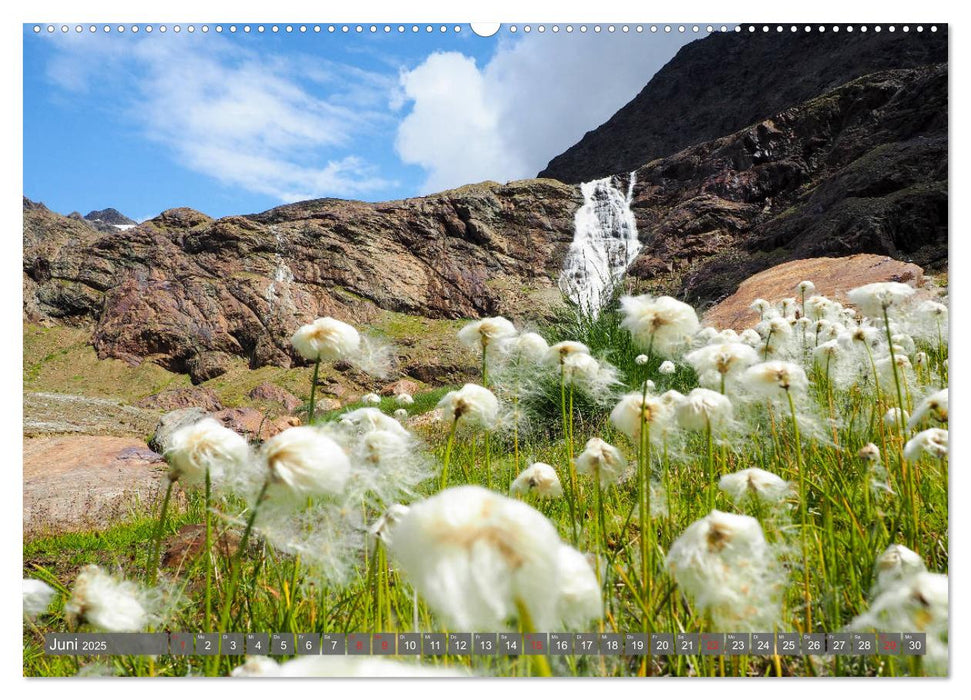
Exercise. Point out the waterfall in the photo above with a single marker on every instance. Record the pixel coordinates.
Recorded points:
(604, 245)
(282, 277)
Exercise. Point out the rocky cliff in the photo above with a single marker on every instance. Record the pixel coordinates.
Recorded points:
(186, 291)
(727, 81)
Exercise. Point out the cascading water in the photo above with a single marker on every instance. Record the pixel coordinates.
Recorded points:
(604, 245)
(278, 291)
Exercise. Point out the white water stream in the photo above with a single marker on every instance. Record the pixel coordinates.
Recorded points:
(604, 245)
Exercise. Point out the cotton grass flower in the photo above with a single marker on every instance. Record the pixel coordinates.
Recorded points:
(641, 360)
(472, 405)
(529, 346)
(601, 460)
(371, 398)
(364, 420)
(557, 353)
(634, 408)
(326, 339)
(660, 325)
(382, 528)
(486, 332)
(593, 378)
(932, 442)
(715, 364)
(106, 603)
(303, 462)
(933, 406)
(878, 297)
(400, 414)
(476, 557)
(724, 564)
(704, 409)
(579, 597)
(667, 367)
(404, 399)
(37, 597)
(775, 379)
(539, 478)
(339, 667)
(755, 483)
(895, 565)
(203, 446)
(894, 417)
(918, 603)
(869, 453)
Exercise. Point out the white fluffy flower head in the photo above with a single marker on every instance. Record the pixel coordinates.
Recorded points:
(305, 462)
(205, 445)
(933, 406)
(896, 564)
(37, 597)
(486, 332)
(725, 565)
(326, 339)
(634, 408)
(661, 324)
(472, 405)
(873, 299)
(932, 442)
(106, 603)
(557, 353)
(539, 478)
(601, 460)
(474, 555)
(754, 483)
(704, 408)
(775, 378)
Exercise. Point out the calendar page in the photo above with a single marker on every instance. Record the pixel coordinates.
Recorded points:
(539, 349)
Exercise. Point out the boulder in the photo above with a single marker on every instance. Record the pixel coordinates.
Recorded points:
(833, 277)
(173, 421)
(402, 386)
(78, 483)
(269, 392)
(254, 425)
(183, 397)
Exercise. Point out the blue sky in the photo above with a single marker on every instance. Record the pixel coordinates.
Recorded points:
(238, 123)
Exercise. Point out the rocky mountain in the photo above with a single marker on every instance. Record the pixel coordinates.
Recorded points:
(104, 218)
(186, 291)
(858, 166)
(727, 81)
(859, 169)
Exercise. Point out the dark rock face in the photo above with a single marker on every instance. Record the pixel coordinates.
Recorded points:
(188, 291)
(860, 169)
(109, 217)
(727, 81)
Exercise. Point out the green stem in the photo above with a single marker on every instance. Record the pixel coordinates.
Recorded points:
(235, 562)
(448, 455)
(155, 551)
(571, 497)
(313, 392)
(208, 553)
(803, 513)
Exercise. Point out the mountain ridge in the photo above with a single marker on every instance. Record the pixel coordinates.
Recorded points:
(718, 85)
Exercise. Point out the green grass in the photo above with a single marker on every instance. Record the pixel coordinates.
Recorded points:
(848, 526)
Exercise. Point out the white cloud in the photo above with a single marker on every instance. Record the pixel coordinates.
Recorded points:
(454, 130)
(535, 98)
(229, 113)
